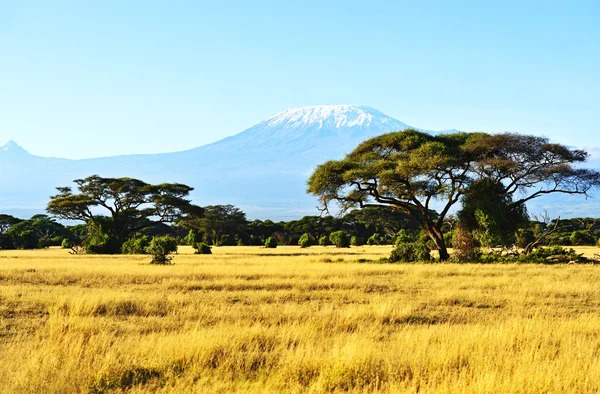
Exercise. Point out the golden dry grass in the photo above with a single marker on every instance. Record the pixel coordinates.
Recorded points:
(284, 320)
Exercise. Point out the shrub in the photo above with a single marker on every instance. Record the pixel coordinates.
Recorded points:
(340, 239)
(160, 248)
(270, 243)
(136, 245)
(524, 237)
(305, 241)
(411, 251)
(375, 239)
(66, 243)
(202, 248)
(324, 240)
(465, 248)
(355, 241)
(582, 237)
(193, 237)
(403, 236)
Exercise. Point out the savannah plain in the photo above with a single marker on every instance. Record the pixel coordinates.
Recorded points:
(316, 320)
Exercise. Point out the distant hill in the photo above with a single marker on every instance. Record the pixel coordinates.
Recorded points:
(263, 169)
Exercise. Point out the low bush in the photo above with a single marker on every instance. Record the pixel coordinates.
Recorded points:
(66, 243)
(137, 245)
(410, 252)
(340, 239)
(160, 248)
(270, 243)
(305, 241)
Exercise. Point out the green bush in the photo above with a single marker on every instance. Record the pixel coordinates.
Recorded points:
(136, 245)
(324, 240)
(202, 248)
(305, 241)
(193, 237)
(66, 243)
(355, 241)
(375, 239)
(340, 239)
(410, 251)
(160, 248)
(403, 236)
(582, 237)
(271, 243)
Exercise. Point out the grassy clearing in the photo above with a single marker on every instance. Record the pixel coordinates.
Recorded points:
(294, 320)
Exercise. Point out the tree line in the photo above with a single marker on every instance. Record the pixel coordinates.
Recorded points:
(385, 188)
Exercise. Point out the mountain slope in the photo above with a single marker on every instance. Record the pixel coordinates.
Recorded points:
(263, 169)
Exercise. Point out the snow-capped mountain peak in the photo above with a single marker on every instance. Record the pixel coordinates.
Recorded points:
(331, 116)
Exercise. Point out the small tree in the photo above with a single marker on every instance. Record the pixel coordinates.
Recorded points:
(305, 241)
(160, 248)
(355, 241)
(340, 239)
(270, 243)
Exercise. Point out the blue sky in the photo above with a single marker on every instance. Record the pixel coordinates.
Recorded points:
(83, 79)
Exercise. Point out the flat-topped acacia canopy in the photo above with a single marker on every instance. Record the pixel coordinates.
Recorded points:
(410, 169)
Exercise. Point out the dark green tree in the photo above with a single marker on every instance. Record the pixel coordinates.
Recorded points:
(409, 170)
(490, 215)
(219, 223)
(115, 209)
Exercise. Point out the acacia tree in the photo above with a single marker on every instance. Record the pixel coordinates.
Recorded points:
(114, 209)
(410, 170)
(218, 221)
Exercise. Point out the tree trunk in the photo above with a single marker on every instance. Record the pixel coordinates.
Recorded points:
(438, 238)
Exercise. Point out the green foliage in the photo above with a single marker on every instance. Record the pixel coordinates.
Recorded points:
(136, 245)
(523, 237)
(202, 248)
(66, 243)
(583, 237)
(403, 236)
(408, 169)
(160, 248)
(270, 243)
(375, 239)
(324, 240)
(38, 232)
(355, 241)
(6, 242)
(489, 213)
(129, 205)
(340, 239)
(410, 252)
(100, 238)
(220, 224)
(305, 241)
(193, 237)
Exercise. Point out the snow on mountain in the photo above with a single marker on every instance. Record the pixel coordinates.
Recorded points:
(331, 116)
(309, 130)
(262, 170)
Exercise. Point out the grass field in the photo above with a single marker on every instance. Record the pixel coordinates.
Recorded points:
(314, 320)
